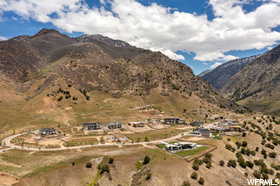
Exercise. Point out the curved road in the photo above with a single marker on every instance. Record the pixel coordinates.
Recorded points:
(7, 143)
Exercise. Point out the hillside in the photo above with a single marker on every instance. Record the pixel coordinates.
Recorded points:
(56, 78)
(220, 76)
(257, 85)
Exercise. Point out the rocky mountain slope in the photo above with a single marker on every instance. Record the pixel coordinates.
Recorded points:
(221, 75)
(53, 69)
(257, 85)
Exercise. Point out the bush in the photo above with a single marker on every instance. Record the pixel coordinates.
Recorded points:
(230, 148)
(238, 144)
(277, 175)
(111, 161)
(148, 176)
(269, 146)
(244, 143)
(257, 174)
(103, 168)
(272, 155)
(88, 165)
(208, 165)
(201, 181)
(222, 163)
(249, 164)
(186, 183)
(194, 176)
(147, 160)
(242, 164)
(195, 167)
(231, 163)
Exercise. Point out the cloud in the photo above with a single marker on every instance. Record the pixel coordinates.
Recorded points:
(161, 28)
(2, 38)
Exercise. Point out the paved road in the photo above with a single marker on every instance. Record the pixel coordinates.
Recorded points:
(7, 143)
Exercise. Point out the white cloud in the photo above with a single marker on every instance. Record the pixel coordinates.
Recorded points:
(158, 28)
(2, 38)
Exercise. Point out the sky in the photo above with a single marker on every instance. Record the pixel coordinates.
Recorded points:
(200, 33)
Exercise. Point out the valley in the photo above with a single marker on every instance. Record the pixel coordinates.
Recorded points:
(92, 111)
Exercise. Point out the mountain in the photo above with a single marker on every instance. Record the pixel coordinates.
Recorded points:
(58, 79)
(204, 73)
(220, 76)
(257, 85)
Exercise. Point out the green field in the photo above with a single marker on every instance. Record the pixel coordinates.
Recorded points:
(192, 152)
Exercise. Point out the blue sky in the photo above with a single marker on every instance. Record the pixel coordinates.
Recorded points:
(200, 33)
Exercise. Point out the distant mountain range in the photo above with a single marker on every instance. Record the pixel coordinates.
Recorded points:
(50, 67)
(253, 81)
(219, 76)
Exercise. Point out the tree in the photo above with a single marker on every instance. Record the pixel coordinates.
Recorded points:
(249, 164)
(111, 161)
(257, 174)
(201, 181)
(147, 160)
(208, 165)
(103, 168)
(186, 183)
(222, 163)
(148, 176)
(194, 175)
(272, 155)
(231, 163)
(244, 143)
(89, 165)
(195, 167)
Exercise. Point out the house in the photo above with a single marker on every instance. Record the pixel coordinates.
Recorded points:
(47, 131)
(203, 132)
(114, 125)
(91, 126)
(136, 124)
(196, 124)
(179, 146)
(170, 121)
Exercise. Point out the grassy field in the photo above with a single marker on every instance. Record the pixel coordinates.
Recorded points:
(195, 151)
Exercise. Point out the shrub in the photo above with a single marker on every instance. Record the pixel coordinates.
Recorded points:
(89, 165)
(257, 174)
(230, 148)
(238, 144)
(148, 176)
(208, 165)
(222, 163)
(186, 183)
(103, 168)
(249, 164)
(244, 143)
(111, 161)
(231, 163)
(147, 160)
(242, 164)
(195, 167)
(194, 175)
(269, 146)
(201, 181)
(272, 155)
(276, 167)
